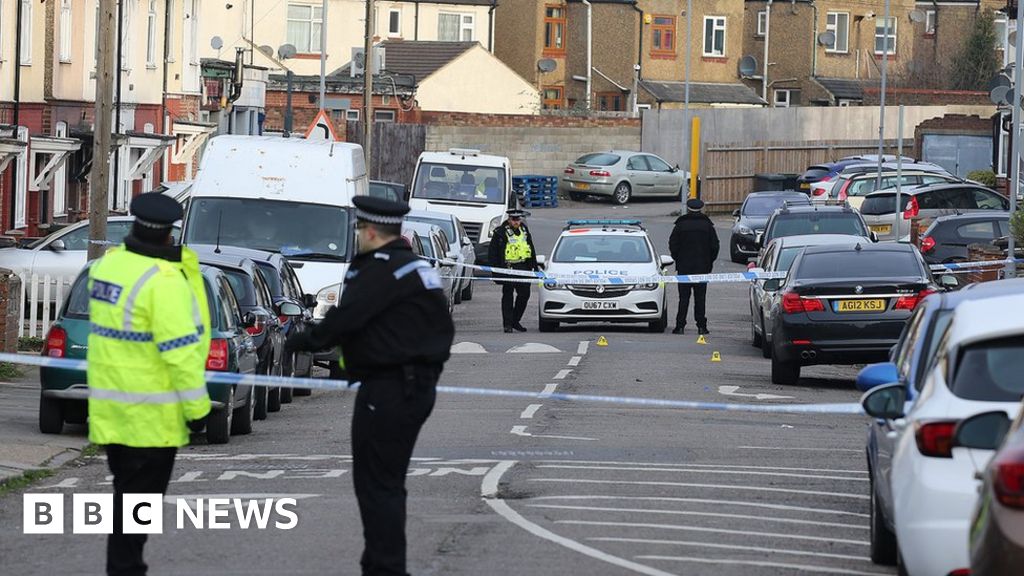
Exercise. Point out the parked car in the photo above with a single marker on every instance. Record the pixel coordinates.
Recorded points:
(802, 220)
(844, 304)
(881, 215)
(64, 393)
(752, 217)
(249, 285)
(947, 239)
(813, 174)
(388, 190)
(855, 187)
(434, 246)
(909, 363)
(977, 369)
(622, 175)
(820, 190)
(778, 257)
(459, 243)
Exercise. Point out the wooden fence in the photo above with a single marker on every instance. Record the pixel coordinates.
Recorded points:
(396, 147)
(41, 299)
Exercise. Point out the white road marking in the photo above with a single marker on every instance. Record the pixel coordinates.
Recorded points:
(549, 389)
(191, 476)
(682, 470)
(800, 567)
(65, 483)
(468, 348)
(714, 501)
(743, 547)
(712, 530)
(172, 498)
(688, 465)
(530, 411)
(575, 360)
(787, 448)
(489, 492)
(733, 391)
(582, 349)
(521, 431)
(691, 513)
(533, 348)
(694, 485)
(562, 374)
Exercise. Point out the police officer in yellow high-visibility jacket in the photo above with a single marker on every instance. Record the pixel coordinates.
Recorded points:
(149, 339)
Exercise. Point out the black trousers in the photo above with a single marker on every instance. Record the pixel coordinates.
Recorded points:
(136, 471)
(514, 298)
(388, 415)
(700, 292)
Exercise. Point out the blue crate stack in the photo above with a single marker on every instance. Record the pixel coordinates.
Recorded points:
(536, 191)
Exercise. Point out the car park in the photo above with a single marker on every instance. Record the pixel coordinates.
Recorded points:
(752, 217)
(801, 220)
(622, 175)
(435, 248)
(844, 305)
(604, 247)
(924, 203)
(948, 237)
(459, 244)
(976, 369)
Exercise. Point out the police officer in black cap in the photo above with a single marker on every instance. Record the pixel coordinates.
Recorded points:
(694, 247)
(512, 247)
(395, 333)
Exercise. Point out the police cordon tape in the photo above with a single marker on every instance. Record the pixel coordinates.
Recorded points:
(326, 384)
(953, 266)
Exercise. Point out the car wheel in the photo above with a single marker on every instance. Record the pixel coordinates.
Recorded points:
(286, 392)
(659, 325)
(577, 197)
(756, 338)
(766, 344)
(735, 255)
(883, 541)
(243, 415)
(261, 398)
(682, 191)
(218, 425)
(51, 415)
(467, 292)
(274, 394)
(458, 296)
(622, 194)
(547, 325)
(784, 372)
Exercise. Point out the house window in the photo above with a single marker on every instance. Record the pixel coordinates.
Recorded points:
(838, 23)
(151, 35)
(26, 32)
(786, 98)
(304, 25)
(384, 115)
(663, 35)
(352, 115)
(454, 27)
(553, 98)
(762, 22)
(395, 23)
(930, 17)
(193, 27)
(65, 31)
(171, 17)
(126, 37)
(611, 101)
(714, 36)
(554, 29)
(885, 43)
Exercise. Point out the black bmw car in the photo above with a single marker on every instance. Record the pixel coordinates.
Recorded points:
(752, 217)
(845, 304)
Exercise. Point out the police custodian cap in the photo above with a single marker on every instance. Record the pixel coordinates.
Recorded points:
(155, 210)
(516, 213)
(379, 210)
(694, 205)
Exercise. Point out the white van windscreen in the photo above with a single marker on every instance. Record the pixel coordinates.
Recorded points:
(296, 230)
(460, 183)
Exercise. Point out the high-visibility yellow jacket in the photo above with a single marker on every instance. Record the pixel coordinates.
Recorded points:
(147, 349)
(517, 249)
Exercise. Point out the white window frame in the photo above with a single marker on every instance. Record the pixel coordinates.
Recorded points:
(171, 19)
(60, 179)
(151, 31)
(21, 186)
(64, 51)
(26, 32)
(782, 103)
(762, 23)
(191, 47)
(310, 22)
(2, 31)
(395, 32)
(718, 24)
(126, 34)
(834, 28)
(467, 24)
(930, 18)
(352, 115)
(880, 33)
(378, 113)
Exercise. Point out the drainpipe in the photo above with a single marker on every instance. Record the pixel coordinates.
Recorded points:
(117, 102)
(767, 38)
(17, 105)
(639, 59)
(416, 23)
(490, 25)
(814, 42)
(163, 119)
(590, 48)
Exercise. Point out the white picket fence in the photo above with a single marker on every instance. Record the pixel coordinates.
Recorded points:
(41, 299)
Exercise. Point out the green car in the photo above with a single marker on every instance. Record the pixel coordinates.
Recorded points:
(64, 393)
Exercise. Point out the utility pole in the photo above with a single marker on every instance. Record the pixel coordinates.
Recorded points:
(881, 107)
(99, 176)
(688, 150)
(368, 87)
(323, 58)
(1018, 68)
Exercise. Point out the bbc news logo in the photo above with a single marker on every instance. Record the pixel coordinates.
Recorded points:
(144, 513)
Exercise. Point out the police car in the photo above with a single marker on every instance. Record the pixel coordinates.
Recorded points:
(603, 248)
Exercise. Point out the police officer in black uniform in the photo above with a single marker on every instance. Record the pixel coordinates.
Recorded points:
(512, 247)
(395, 333)
(694, 246)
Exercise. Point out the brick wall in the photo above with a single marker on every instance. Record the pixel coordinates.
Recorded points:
(924, 97)
(10, 311)
(527, 120)
(305, 108)
(952, 124)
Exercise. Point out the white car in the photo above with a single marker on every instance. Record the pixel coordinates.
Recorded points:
(977, 369)
(459, 244)
(610, 248)
(434, 247)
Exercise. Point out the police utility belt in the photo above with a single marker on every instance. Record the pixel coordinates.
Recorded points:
(410, 375)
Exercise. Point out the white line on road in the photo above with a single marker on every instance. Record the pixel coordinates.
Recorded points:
(788, 448)
(583, 347)
(743, 547)
(800, 567)
(734, 391)
(715, 501)
(533, 348)
(530, 411)
(562, 374)
(688, 465)
(172, 498)
(519, 431)
(712, 530)
(549, 389)
(468, 348)
(489, 491)
(691, 513)
(693, 485)
(575, 360)
(703, 471)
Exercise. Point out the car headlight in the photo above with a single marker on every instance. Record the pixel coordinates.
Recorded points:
(745, 231)
(550, 285)
(648, 286)
(494, 223)
(326, 299)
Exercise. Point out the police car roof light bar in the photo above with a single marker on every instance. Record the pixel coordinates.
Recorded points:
(604, 223)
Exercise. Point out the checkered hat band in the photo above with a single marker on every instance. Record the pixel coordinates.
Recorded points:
(378, 218)
(153, 225)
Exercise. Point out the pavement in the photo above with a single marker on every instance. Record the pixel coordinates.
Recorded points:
(512, 486)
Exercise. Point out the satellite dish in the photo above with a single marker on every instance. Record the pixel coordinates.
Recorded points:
(1000, 95)
(546, 65)
(267, 51)
(286, 51)
(827, 39)
(1000, 80)
(918, 16)
(216, 43)
(748, 66)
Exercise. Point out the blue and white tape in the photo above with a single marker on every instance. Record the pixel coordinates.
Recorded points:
(325, 384)
(607, 279)
(979, 264)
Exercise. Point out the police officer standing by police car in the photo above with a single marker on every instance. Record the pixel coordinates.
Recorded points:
(150, 335)
(694, 246)
(512, 247)
(395, 333)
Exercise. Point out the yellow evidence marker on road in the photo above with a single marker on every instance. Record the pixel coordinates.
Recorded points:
(602, 341)
(716, 357)
(701, 339)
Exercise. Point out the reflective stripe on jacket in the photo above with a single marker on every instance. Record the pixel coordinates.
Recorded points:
(147, 349)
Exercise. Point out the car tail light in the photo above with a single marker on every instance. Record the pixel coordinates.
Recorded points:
(826, 179)
(569, 170)
(283, 319)
(935, 438)
(218, 356)
(912, 210)
(793, 303)
(600, 173)
(842, 191)
(257, 328)
(1008, 477)
(818, 191)
(927, 244)
(56, 343)
(960, 572)
(911, 302)
(801, 342)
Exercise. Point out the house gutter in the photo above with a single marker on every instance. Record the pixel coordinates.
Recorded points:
(490, 25)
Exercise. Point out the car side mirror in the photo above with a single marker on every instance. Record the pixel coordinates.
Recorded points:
(885, 402)
(948, 281)
(289, 309)
(542, 260)
(875, 375)
(772, 285)
(57, 246)
(249, 320)
(874, 237)
(984, 431)
(309, 300)
(466, 241)
(736, 213)
(759, 239)
(666, 261)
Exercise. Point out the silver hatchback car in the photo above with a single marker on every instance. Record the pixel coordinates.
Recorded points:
(890, 222)
(622, 175)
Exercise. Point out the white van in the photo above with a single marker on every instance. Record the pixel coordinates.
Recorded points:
(476, 188)
(285, 195)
